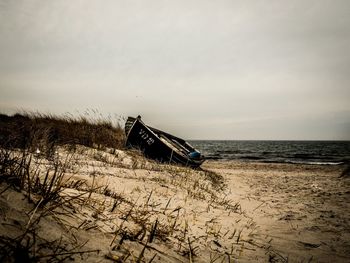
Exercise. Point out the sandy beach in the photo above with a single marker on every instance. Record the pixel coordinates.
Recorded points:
(183, 131)
(302, 209)
(118, 206)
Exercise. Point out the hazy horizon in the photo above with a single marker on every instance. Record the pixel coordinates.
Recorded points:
(223, 70)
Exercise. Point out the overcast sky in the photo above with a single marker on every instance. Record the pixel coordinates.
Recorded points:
(199, 69)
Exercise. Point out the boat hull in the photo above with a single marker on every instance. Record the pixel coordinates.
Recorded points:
(152, 144)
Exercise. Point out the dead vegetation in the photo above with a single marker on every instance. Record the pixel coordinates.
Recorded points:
(86, 199)
(44, 131)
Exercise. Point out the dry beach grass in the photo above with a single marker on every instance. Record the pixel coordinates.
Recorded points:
(89, 199)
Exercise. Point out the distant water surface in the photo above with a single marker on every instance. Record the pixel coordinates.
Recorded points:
(307, 152)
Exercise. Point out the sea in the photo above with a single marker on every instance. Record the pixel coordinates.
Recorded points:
(298, 152)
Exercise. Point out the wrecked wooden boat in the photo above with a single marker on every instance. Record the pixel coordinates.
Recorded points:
(161, 146)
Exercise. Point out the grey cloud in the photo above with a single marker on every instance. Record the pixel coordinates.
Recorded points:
(195, 67)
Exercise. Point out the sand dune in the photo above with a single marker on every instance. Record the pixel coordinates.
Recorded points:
(118, 206)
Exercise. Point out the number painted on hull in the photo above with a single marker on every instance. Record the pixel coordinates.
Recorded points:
(150, 141)
(146, 137)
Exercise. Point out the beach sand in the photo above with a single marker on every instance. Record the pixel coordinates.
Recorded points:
(303, 209)
(121, 207)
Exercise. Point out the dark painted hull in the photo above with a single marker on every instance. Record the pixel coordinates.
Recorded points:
(160, 146)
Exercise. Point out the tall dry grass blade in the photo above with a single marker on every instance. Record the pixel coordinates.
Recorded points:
(31, 217)
(141, 253)
(153, 231)
(167, 204)
(190, 250)
(27, 171)
(149, 197)
(154, 256)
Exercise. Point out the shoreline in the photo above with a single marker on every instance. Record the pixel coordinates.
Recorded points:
(248, 160)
